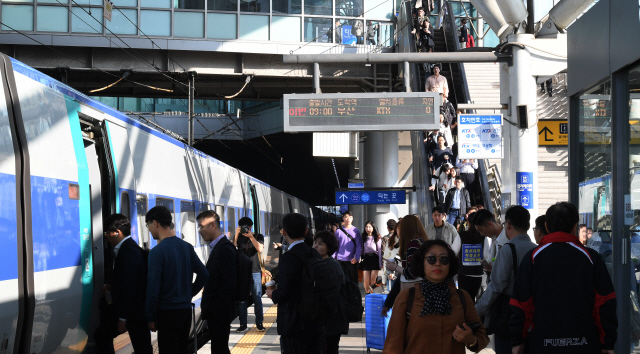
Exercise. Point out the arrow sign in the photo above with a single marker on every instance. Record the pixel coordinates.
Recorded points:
(343, 197)
(546, 130)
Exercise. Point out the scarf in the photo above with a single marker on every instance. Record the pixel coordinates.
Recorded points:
(436, 298)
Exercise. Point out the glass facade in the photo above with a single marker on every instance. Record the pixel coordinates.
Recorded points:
(607, 167)
(159, 105)
(256, 20)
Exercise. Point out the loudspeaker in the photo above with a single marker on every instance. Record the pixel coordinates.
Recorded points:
(523, 116)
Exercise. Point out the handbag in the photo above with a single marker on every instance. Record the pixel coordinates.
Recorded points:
(500, 312)
(266, 275)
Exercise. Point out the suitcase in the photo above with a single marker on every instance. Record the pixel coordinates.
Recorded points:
(376, 325)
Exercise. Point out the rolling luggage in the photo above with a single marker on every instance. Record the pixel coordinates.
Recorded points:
(376, 325)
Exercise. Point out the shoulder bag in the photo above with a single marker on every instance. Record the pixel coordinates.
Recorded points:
(500, 313)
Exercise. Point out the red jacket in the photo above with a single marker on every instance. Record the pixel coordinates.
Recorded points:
(564, 294)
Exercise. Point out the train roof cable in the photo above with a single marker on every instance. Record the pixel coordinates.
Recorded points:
(152, 42)
(79, 61)
(140, 58)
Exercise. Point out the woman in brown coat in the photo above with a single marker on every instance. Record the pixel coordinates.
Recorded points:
(437, 322)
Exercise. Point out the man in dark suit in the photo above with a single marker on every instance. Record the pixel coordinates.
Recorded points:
(296, 336)
(457, 202)
(128, 286)
(218, 307)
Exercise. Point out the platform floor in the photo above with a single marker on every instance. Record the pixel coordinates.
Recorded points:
(254, 342)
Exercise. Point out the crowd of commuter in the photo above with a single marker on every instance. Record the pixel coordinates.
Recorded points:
(450, 284)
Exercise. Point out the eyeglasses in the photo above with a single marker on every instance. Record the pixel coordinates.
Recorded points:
(149, 223)
(444, 260)
(536, 229)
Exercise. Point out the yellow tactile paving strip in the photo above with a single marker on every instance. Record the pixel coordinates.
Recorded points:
(250, 340)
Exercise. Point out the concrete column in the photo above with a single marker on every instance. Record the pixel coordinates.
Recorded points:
(381, 170)
(524, 142)
(505, 164)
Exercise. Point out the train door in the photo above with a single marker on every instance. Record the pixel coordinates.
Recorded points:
(12, 281)
(57, 270)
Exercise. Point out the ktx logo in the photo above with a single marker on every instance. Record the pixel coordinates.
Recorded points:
(464, 131)
(488, 130)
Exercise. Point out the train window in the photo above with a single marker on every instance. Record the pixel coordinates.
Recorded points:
(125, 208)
(220, 212)
(168, 203)
(141, 207)
(74, 191)
(188, 222)
(231, 225)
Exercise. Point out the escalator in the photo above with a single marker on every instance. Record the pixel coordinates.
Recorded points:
(446, 40)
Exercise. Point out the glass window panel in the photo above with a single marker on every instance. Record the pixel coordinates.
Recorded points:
(121, 25)
(349, 8)
(290, 6)
(379, 33)
(19, 17)
(380, 9)
(352, 31)
(156, 3)
(141, 207)
(318, 7)
(594, 168)
(169, 204)
(89, 25)
(58, 3)
(319, 30)
(53, 19)
(222, 26)
(490, 39)
(222, 5)
(155, 23)
(188, 222)
(188, 4)
(188, 24)
(254, 6)
(286, 29)
(634, 183)
(121, 3)
(254, 27)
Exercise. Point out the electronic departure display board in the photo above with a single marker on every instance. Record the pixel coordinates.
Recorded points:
(361, 112)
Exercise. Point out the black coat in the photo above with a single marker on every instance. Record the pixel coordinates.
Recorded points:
(465, 201)
(217, 296)
(129, 285)
(288, 293)
(339, 323)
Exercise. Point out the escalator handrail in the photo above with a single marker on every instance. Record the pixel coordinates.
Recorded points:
(464, 96)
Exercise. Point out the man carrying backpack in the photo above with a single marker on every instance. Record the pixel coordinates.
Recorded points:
(297, 336)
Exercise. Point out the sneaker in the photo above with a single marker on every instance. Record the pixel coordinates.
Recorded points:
(260, 328)
(242, 328)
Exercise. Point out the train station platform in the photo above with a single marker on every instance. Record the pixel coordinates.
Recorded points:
(268, 342)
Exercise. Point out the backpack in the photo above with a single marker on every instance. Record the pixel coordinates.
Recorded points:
(352, 300)
(244, 277)
(320, 288)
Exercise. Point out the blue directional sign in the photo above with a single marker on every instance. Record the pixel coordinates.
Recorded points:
(371, 197)
(524, 186)
(479, 136)
(356, 185)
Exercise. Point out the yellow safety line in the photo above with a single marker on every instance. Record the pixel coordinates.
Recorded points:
(250, 340)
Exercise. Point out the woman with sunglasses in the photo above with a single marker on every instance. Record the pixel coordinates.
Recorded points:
(436, 322)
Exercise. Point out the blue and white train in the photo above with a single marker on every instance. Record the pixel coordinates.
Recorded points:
(68, 161)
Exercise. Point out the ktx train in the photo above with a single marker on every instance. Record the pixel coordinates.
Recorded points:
(68, 161)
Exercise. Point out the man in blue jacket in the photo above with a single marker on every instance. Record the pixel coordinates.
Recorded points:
(170, 289)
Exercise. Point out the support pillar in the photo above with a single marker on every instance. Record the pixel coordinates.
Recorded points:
(316, 78)
(381, 170)
(523, 143)
(191, 75)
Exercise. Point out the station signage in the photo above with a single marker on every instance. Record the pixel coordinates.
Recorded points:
(361, 112)
(480, 136)
(371, 197)
(553, 132)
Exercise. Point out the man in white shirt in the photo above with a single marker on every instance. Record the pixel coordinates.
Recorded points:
(487, 225)
(468, 173)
